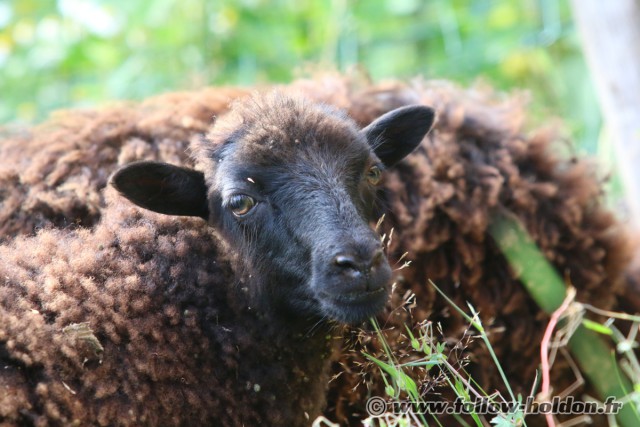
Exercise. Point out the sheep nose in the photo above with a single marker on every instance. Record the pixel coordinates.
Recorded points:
(356, 265)
(352, 273)
(349, 261)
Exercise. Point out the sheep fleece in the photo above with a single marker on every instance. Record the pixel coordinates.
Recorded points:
(481, 158)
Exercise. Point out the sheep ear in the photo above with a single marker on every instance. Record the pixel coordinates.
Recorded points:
(163, 188)
(397, 133)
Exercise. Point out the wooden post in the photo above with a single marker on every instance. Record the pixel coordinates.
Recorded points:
(610, 33)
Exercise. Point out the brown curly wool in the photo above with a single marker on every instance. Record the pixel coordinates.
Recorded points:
(479, 160)
(138, 322)
(54, 174)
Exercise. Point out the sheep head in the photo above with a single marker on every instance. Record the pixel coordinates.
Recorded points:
(291, 186)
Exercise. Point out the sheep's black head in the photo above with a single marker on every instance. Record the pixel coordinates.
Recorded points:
(291, 186)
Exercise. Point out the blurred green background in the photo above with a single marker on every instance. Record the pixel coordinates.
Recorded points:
(68, 53)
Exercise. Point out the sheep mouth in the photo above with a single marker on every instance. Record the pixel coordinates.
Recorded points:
(354, 307)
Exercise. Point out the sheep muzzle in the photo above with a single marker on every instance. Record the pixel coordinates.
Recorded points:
(351, 281)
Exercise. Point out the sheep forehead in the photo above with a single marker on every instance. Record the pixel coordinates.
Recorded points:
(279, 130)
(298, 142)
(295, 126)
(275, 168)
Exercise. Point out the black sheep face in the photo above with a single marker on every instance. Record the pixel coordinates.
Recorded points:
(291, 186)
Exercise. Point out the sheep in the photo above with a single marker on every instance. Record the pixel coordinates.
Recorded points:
(153, 318)
(479, 159)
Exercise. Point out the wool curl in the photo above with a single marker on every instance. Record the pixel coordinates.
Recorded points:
(480, 160)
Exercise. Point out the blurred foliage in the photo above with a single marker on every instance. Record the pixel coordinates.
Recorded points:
(62, 53)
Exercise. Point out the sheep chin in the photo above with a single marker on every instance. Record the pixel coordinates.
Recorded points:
(353, 309)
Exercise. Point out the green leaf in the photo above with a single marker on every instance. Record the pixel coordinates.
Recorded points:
(596, 327)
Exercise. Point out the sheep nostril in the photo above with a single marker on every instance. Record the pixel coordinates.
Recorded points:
(349, 262)
(346, 261)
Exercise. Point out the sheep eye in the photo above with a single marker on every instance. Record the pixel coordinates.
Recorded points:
(373, 175)
(241, 204)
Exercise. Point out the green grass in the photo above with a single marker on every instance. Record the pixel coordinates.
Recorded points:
(434, 354)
